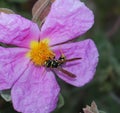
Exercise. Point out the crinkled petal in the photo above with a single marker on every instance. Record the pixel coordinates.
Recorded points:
(35, 92)
(67, 19)
(84, 68)
(17, 30)
(12, 65)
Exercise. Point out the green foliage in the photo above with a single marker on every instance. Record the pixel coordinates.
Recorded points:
(60, 102)
(18, 1)
(18, 6)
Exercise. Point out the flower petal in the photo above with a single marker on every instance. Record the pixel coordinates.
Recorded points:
(17, 30)
(12, 65)
(35, 92)
(84, 68)
(67, 19)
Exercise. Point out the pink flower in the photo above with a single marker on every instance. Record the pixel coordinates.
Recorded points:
(23, 68)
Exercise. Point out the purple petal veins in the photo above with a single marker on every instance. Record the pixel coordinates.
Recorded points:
(34, 89)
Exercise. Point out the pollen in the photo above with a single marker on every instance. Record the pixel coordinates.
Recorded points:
(40, 52)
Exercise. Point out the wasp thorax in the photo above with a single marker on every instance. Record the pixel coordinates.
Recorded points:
(40, 52)
(54, 63)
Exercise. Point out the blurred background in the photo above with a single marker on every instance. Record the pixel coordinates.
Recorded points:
(104, 89)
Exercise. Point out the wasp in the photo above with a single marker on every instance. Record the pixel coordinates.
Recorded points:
(57, 63)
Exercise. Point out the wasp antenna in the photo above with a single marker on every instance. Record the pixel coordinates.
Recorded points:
(61, 52)
(72, 59)
(54, 57)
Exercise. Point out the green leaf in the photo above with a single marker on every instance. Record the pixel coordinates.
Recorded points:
(6, 10)
(5, 94)
(101, 111)
(61, 101)
(18, 1)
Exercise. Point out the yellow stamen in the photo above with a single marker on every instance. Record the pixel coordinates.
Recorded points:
(40, 52)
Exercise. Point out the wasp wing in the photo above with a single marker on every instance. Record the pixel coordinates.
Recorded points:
(67, 73)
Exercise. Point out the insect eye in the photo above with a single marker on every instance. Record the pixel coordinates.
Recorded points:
(62, 58)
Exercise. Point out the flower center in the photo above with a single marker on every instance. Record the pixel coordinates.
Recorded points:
(40, 52)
